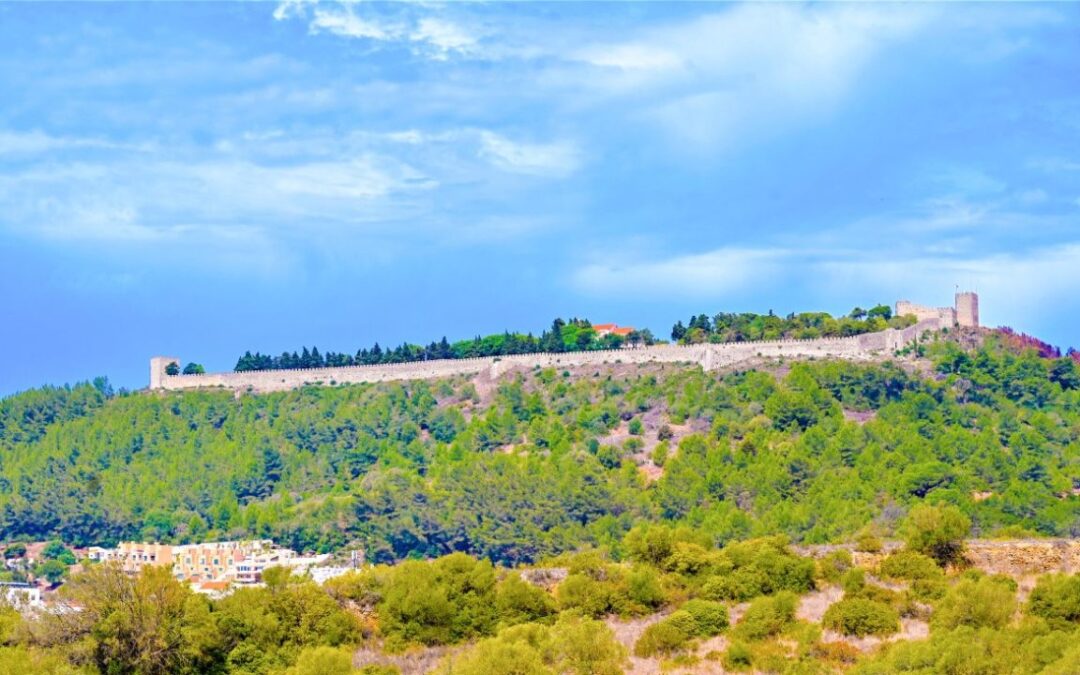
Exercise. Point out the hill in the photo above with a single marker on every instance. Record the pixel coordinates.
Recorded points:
(544, 461)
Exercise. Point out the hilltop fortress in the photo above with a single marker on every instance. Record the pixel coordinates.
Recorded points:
(965, 313)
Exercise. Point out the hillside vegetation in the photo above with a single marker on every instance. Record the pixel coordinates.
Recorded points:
(670, 602)
(547, 461)
(748, 326)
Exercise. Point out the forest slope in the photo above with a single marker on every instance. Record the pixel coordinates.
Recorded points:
(546, 461)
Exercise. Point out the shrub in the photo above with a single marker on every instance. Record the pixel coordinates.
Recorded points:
(643, 588)
(520, 602)
(759, 567)
(585, 647)
(666, 636)
(447, 600)
(861, 617)
(636, 427)
(853, 581)
(987, 603)
(767, 616)
(589, 596)
(937, 531)
(322, 661)
(574, 645)
(909, 565)
(660, 453)
(738, 657)
(1056, 597)
(833, 566)
(868, 542)
(711, 617)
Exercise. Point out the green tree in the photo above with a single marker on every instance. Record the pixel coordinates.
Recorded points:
(936, 531)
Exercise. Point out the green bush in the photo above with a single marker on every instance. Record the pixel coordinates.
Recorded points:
(667, 636)
(861, 617)
(574, 646)
(759, 567)
(910, 566)
(738, 657)
(936, 531)
(1056, 597)
(767, 616)
(439, 602)
(589, 596)
(520, 602)
(986, 603)
(868, 542)
(832, 567)
(643, 588)
(711, 617)
(660, 453)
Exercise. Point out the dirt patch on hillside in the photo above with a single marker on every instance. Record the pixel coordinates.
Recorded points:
(415, 661)
(812, 606)
(627, 633)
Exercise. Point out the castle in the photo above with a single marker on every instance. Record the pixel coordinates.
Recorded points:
(963, 313)
(709, 356)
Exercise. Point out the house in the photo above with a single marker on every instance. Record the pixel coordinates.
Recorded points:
(603, 329)
(20, 595)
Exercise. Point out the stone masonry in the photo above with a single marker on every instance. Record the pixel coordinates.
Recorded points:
(708, 356)
(964, 312)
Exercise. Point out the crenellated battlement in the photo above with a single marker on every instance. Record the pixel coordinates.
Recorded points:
(708, 356)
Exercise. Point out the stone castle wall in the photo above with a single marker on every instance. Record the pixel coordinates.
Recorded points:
(964, 312)
(947, 315)
(708, 356)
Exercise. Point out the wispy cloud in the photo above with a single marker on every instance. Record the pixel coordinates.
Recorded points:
(1018, 285)
(551, 159)
(434, 37)
(752, 68)
(713, 273)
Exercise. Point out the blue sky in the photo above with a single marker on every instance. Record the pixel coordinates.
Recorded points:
(200, 179)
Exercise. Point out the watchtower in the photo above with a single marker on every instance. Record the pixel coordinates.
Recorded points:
(967, 309)
(158, 364)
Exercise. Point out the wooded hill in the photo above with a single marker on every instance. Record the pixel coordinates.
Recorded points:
(547, 461)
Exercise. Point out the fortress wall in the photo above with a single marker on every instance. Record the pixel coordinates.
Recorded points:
(947, 315)
(708, 356)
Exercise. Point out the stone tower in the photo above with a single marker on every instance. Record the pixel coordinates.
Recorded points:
(157, 370)
(967, 309)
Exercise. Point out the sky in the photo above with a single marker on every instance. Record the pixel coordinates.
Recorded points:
(201, 179)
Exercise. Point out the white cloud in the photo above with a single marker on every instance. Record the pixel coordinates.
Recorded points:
(550, 159)
(630, 56)
(749, 70)
(434, 37)
(443, 36)
(37, 142)
(345, 23)
(711, 274)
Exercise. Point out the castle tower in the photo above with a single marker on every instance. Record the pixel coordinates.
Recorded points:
(967, 309)
(158, 364)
